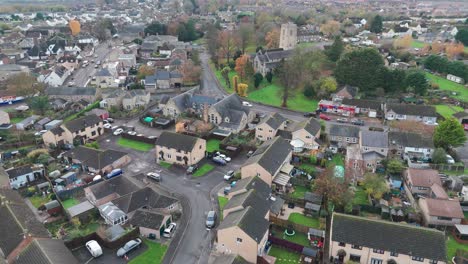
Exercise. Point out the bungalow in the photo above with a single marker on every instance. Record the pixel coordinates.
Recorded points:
(81, 129)
(230, 114)
(97, 160)
(106, 191)
(440, 212)
(150, 223)
(406, 145)
(347, 92)
(24, 175)
(343, 135)
(420, 113)
(268, 128)
(420, 181)
(179, 149)
(126, 100)
(369, 241)
(73, 94)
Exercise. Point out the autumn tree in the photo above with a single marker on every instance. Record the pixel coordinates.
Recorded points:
(144, 71)
(190, 72)
(272, 38)
(330, 28)
(454, 49)
(326, 86)
(290, 77)
(437, 47)
(227, 44)
(242, 89)
(403, 42)
(225, 74)
(24, 84)
(375, 185)
(241, 64)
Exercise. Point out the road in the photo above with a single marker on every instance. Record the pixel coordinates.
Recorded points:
(82, 75)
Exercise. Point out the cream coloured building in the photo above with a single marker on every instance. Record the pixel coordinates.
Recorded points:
(81, 129)
(179, 149)
(288, 36)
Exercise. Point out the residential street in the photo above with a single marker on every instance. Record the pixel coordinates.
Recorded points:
(82, 75)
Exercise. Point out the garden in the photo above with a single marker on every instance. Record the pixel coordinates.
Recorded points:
(284, 256)
(301, 219)
(69, 230)
(452, 247)
(212, 144)
(165, 165)
(298, 237)
(299, 192)
(447, 111)
(38, 200)
(69, 203)
(133, 144)
(154, 254)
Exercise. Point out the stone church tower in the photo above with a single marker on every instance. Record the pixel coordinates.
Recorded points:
(288, 36)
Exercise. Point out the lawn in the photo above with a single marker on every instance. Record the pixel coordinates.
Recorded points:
(305, 44)
(447, 111)
(87, 229)
(154, 254)
(298, 238)
(309, 168)
(360, 197)
(337, 160)
(69, 203)
(133, 144)
(444, 84)
(452, 246)
(299, 192)
(222, 202)
(38, 200)
(16, 120)
(165, 164)
(204, 169)
(212, 145)
(301, 219)
(418, 44)
(284, 256)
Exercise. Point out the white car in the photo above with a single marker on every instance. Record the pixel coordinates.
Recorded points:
(431, 123)
(40, 133)
(132, 133)
(228, 175)
(94, 248)
(224, 157)
(450, 159)
(108, 126)
(118, 131)
(169, 231)
(245, 103)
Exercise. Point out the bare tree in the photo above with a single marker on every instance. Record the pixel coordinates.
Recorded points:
(228, 42)
(245, 34)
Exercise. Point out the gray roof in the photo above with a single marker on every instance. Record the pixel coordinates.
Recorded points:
(94, 158)
(177, 141)
(270, 56)
(147, 219)
(18, 171)
(344, 131)
(228, 259)
(249, 220)
(249, 198)
(360, 103)
(104, 72)
(46, 251)
(275, 120)
(119, 185)
(313, 197)
(311, 125)
(460, 115)
(231, 107)
(374, 139)
(271, 155)
(145, 197)
(413, 110)
(389, 236)
(111, 211)
(408, 139)
(82, 122)
(67, 91)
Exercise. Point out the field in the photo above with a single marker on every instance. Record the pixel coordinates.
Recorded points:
(304, 220)
(444, 84)
(212, 145)
(447, 111)
(133, 144)
(154, 254)
(204, 169)
(284, 256)
(69, 203)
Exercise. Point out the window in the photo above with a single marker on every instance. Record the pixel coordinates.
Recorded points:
(417, 259)
(379, 251)
(179, 158)
(355, 258)
(270, 131)
(444, 218)
(433, 261)
(169, 156)
(307, 136)
(382, 150)
(393, 254)
(258, 174)
(260, 129)
(199, 147)
(376, 261)
(341, 244)
(239, 240)
(366, 148)
(356, 247)
(93, 133)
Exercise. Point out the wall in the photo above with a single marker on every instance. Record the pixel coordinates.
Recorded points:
(256, 170)
(227, 243)
(264, 132)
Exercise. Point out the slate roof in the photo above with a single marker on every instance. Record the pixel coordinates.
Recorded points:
(94, 158)
(252, 182)
(60, 71)
(249, 198)
(423, 178)
(408, 139)
(275, 120)
(68, 91)
(57, 130)
(270, 56)
(313, 197)
(46, 251)
(444, 208)
(148, 219)
(231, 107)
(18, 171)
(271, 155)
(311, 125)
(413, 110)
(360, 103)
(82, 122)
(177, 141)
(249, 220)
(389, 236)
(344, 131)
(352, 90)
(104, 72)
(118, 185)
(145, 197)
(374, 139)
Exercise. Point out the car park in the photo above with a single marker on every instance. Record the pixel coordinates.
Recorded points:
(169, 231)
(118, 131)
(94, 248)
(211, 219)
(129, 246)
(324, 117)
(154, 176)
(229, 175)
(192, 168)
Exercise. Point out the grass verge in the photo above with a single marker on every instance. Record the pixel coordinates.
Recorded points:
(222, 201)
(204, 169)
(133, 144)
(154, 254)
(301, 219)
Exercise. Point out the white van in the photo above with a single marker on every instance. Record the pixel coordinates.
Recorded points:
(94, 248)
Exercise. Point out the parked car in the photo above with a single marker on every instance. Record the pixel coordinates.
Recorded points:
(129, 246)
(132, 133)
(224, 157)
(342, 120)
(169, 231)
(376, 129)
(110, 120)
(211, 219)
(108, 126)
(245, 103)
(154, 175)
(229, 175)
(431, 123)
(114, 173)
(219, 161)
(250, 153)
(450, 159)
(94, 248)
(310, 114)
(324, 117)
(118, 131)
(192, 168)
(357, 122)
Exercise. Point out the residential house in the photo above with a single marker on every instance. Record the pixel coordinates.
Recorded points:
(106, 191)
(268, 160)
(70, 62)
(127, 60)
(187, 102)
(150, 223)
(112, 215)
(369, 241)
(56, 77)
(81, 129)
(307, 134)
(348, 92)
(406, 145)
(127, 100)
(9, 70)
(97, 160)
(4, 118)
(24, 175)
(146, 198)
(55, 49)
(268, 128)
(179, 149)
(104, 79)
(268, 60)
(440, 212)
(230, 114)
(162, 80)
(370, 108)
(420, 113)
(343, 135)
(74, 94)
(250, 198)
(374, 148)
(244, 233)
(419, 181)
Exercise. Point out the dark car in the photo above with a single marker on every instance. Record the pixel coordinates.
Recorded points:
(357, 122)
(310, 114)
(191, 169)
(379, 129)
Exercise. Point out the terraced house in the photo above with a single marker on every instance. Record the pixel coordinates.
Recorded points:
(179, 149)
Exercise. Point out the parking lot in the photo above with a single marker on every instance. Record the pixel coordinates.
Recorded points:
(108, 256)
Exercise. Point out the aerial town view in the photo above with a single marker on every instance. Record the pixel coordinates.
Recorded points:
(234, 131)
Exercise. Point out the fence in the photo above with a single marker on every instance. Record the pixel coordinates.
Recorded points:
(80, 241)
(286, 223)
(286, 244)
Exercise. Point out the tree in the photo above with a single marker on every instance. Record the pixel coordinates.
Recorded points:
(242, 89)
(437, 47)
(24, 84)
(39, 16)
(258, 78)
(212, 34)
(376, 25)
(436, 63)
(361, 68)
(138, 41)
(245, 34)
(327, 85)
(186, 31)
(454, 49)
(403, 42)
(104, 29)
(330, 28)
(39, 104)
(155, 28)
(190, 72)
(272, 39)
(375, 185)
(462, 36)
(241, 64)
(458, 68)
(418, 81)
(269, 76)
(225, 73)
(393, 80)
(449, 134)
(335, 50)
(395, 166)
(43, 159)
(227, 44)
(144, 71)
(439, 156)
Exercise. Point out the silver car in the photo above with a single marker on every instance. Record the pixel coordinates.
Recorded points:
(129, 246)
(211, 219)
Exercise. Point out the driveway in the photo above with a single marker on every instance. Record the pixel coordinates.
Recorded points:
(108, 256)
